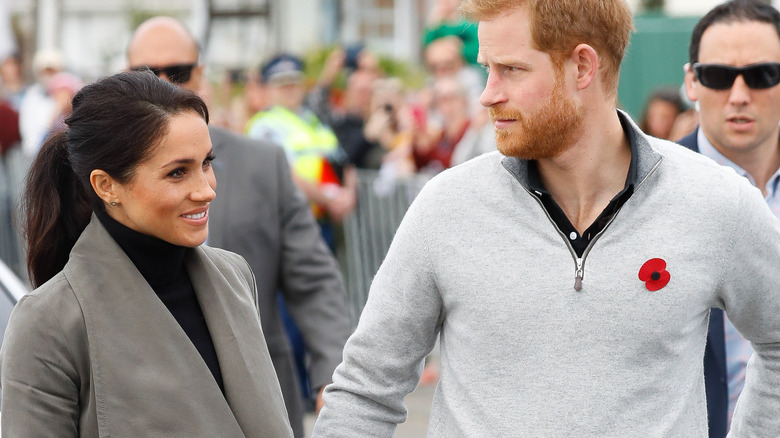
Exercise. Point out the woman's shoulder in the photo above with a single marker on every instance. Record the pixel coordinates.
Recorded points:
(49, 315)
(52, 300)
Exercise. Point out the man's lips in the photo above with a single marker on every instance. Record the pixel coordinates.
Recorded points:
(503, 123)
(740, 122)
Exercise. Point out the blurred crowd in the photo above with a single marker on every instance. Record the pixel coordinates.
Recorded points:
(348, 114)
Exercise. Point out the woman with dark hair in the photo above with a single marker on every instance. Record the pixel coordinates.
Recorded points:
(135, 328)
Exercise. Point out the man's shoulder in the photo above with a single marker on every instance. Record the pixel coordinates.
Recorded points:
(690, 141)
(484, 172)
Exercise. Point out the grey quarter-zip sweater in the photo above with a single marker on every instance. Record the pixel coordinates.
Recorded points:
(478, 262)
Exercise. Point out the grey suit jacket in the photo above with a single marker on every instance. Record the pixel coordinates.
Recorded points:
(93, 352)
(261, 215)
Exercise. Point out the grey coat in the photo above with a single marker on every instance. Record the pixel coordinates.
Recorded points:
(260, 214)
(93, 352)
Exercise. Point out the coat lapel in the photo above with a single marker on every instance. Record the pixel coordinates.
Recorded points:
(252, 392)
(148, 376)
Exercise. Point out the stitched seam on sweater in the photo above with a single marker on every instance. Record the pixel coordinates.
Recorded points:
(727, 261)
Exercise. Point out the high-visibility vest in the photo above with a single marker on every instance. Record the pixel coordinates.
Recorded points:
(308, 142)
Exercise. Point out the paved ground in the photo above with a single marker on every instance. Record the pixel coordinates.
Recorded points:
(419, 405)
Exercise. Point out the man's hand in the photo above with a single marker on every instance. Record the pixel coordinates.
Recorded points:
(319, 403)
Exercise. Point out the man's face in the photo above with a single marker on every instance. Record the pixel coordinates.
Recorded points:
(740, 119)
(533, 113)
(165, 45)
(289, 94)
(443, 59)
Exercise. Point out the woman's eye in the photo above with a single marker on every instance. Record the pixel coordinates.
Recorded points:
(208, 160)
(177, 173)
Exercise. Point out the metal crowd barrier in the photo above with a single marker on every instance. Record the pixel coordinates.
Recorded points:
(13, 169)
(382, 203)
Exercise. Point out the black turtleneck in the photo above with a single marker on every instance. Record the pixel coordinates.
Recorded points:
(162, 265)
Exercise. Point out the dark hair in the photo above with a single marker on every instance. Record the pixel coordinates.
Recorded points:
(115, 124)
(729, 12)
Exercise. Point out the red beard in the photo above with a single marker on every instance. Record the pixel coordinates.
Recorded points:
(545, 133)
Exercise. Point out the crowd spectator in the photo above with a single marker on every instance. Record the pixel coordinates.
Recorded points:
(393, 123)
(433, 153)
(444, 58)
(318, 162)
(38, 109)
(660, 112)
(348, 119)
(62, 87)
(9, 127)
(445, 20)
(734, 77)
(12, 84)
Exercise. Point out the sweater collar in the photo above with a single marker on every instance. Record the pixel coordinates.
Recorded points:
(643, 156)
(161, 263)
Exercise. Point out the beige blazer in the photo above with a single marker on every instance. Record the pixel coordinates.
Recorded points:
(94, 353)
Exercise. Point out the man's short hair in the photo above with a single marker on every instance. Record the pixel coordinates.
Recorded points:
(558, 26)
(729, 12)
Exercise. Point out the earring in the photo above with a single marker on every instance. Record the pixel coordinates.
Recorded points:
(113, 203)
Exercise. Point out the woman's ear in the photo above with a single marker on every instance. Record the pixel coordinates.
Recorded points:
(104, 186)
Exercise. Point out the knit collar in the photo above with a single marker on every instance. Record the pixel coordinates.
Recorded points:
(643, 156)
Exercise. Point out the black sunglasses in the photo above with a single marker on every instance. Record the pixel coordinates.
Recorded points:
(178, 74)
(721, 77)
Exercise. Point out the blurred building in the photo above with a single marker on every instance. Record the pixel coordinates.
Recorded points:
(234, 33)
(237, 33)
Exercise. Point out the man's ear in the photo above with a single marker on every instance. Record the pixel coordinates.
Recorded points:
(105, 186)
(196, 79)
(587, 61)
(691, 84)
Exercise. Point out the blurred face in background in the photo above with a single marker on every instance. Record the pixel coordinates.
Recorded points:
(451, 99)
(443, 57)
(660, 118)
(163, 42)
(11, 73)
(357, 96)
(289, 93)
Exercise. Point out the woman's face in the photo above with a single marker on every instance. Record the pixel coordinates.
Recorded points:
(169, 194)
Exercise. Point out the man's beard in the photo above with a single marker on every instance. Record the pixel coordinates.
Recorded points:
(545, 133)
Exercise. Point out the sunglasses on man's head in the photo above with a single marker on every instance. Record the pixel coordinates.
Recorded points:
(722, 77)
(178, 74)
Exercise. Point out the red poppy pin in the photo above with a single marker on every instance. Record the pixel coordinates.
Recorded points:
(654, 274)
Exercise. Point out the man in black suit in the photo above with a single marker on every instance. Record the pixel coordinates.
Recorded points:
(733, 76)
(260, 214)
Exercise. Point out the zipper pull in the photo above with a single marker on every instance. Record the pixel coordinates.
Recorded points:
(578, 276)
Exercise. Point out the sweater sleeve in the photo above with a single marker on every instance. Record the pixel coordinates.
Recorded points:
(398, 327)
(750, 294)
